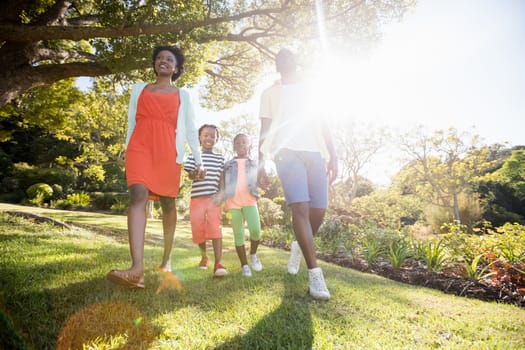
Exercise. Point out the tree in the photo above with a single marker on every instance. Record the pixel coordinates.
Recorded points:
(63, 127)
(443, 165)
(246, 124)
(356, 147)
(42, 42)
(503, 190)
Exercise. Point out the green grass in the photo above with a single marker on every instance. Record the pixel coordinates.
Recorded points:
(53, 291)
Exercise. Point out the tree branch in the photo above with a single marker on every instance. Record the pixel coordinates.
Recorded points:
(10, 32)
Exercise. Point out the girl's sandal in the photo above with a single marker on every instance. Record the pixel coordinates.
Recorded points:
(126, 278)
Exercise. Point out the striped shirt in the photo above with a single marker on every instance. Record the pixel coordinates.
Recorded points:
(214, 165)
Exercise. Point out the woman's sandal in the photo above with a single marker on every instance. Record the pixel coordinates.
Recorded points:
(126, 278)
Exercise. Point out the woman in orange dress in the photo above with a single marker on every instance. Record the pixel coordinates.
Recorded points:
(160, 123)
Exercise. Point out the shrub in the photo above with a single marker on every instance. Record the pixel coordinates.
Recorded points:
(434, 255)
(276, 236)
(388, 208)
(473, 271)
(287, 213)
(39, 193)
(119, 207)
(397, 253)
(511, 242)
(372, 250)
(105, 200)
(27, 175)
(271, 213)
(75, 201)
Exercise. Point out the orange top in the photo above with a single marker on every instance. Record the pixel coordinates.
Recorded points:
(243, 197)
(151, 154)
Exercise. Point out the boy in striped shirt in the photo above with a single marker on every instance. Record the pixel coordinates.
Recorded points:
(205, 210)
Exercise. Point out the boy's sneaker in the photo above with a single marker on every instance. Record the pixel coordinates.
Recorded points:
(203, 264)
(256, 263)
(295, 258)
(246, 272)
(219, 270)
(317, 285)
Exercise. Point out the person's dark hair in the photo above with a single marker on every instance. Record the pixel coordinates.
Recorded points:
(210, 126)
(240, 135)
(285, 61)
(179, 56)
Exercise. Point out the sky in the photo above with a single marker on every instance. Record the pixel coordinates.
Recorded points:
(448, 63)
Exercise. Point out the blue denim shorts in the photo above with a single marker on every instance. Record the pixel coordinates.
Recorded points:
(303, 177)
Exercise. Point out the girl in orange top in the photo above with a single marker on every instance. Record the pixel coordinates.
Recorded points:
(240, 195)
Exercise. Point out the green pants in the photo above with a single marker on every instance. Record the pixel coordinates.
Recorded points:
(251, 215)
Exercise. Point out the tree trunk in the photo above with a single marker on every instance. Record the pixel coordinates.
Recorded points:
(457, 219)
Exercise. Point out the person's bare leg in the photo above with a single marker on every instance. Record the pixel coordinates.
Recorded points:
(169, 223)
(303, 232)
(217, 249)
(241, 253)
(253, 246)
(202, 248)
(316, 219)
(137, 226)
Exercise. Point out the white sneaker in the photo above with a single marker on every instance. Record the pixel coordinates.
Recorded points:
(256, 263)
(317, 285)
(246, 272)
(295, 258)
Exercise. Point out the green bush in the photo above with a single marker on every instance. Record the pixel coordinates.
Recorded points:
(334, 237)
(388, 208)
(277, 236)
(511, 242)
(435, 256)
(120, 207)
(398, 252)
(105, 200)
(271, 213)
(287, 213)
(39, 193)
(27, 175)
(75, 201)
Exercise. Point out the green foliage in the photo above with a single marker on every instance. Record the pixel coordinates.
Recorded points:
(270, 212)
(120, 206)
(26, 175)
(434, 255)
(75, 201)
(511, 242)
(388, 207)
(105, 200)
(443, 165)
(372, 250)
(472, 271)
(503, 191)
(398, 251)
(277, 236)
(39, 193)
(332, 236)
(462, 245)
(470, 213)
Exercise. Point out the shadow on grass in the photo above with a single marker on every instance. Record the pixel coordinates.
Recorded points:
(288, 327)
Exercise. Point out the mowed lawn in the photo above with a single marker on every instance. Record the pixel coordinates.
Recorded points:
(54, 295)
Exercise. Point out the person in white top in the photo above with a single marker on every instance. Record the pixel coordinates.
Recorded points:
(293, 133)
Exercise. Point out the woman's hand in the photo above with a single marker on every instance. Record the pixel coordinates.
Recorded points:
(199, 173)
(262, 179)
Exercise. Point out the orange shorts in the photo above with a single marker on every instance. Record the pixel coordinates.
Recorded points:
(205, 219)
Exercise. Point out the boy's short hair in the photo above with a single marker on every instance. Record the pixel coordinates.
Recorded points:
(285, 61)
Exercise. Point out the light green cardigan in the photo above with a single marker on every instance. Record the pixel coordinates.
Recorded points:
(185, 131)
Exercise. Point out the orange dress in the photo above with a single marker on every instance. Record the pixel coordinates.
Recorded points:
(151, 153)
